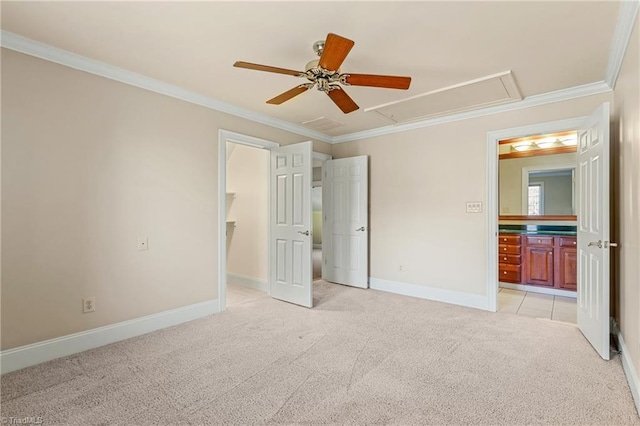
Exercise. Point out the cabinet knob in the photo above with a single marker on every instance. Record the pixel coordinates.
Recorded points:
(539, 241)
(505, 249)
(574, 243)
(504, 239)
(505, 258)
(505, 272)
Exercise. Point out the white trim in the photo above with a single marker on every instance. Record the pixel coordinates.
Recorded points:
(621, 36)
(246, 281)
(225, 136)
(627, 365)
(491, 207)
(492, 190)
(36, 353)
(431, 293)
(63, 57)
(320, 156)
(538, 289)
(528, 102)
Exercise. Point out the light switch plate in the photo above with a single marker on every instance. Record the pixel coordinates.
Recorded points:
(143, 243)
(474, 206)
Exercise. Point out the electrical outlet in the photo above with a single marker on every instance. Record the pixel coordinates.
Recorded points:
(474, 206)
(143, 243)
(88, 305)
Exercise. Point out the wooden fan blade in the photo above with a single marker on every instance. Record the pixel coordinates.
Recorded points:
(386, 81)
(267, 68)
(283, 97)
(344, 102)
(335, 51)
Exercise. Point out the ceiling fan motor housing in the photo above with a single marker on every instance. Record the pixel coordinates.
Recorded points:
(318, 47)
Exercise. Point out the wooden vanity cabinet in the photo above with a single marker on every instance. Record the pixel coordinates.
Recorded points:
(539, 261)
(566, 269)
(510, 258)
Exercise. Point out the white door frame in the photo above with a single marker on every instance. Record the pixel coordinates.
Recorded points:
(492, 190)
(225, 136)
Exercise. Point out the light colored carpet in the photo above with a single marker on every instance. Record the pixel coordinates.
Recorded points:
(358, 357)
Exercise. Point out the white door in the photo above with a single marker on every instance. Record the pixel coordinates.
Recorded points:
(290, 227)
(345, 240)
(593, 230)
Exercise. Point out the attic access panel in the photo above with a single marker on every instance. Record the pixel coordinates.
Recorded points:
(483, 92)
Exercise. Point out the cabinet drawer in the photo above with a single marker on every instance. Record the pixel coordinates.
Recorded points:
(539, 240)
(508, 249)
(509, 273)
(513, 259)
(509, 239)
(568, 241)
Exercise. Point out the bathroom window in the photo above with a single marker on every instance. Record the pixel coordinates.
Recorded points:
(536, 198)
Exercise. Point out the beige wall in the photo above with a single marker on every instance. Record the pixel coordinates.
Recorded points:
(419, 183)
(626, 176)
(248, 179)
(316, 202)
(510, 179)
(88, 166)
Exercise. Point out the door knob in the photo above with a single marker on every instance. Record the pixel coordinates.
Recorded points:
(304, 233)
(595, 243)
(608, 244)
(360, 229)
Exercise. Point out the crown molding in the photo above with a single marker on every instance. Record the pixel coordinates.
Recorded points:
(621, 36)
(63, 57)
(528, 102)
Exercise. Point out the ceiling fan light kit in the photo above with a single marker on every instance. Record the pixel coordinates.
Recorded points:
(325, 75)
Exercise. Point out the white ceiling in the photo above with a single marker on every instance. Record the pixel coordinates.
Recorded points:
(547, 45)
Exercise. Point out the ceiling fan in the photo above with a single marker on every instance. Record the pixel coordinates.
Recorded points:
(325, 75)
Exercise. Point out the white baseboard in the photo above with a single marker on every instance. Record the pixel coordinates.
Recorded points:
(629, 370)
(249, 282)
(430, 293)
(36, 353)
(537, 289)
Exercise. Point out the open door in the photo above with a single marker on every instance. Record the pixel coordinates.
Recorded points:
(593, 230)
(290, 224)
(345, 242)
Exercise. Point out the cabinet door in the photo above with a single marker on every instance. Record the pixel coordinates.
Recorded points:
(539, 266)
(567, 276)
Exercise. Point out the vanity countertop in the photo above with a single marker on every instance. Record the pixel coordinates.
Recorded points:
(525, 232)
(567, 231)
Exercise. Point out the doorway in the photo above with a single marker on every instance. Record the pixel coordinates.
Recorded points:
(247, 199)
(237, 220)
(228, 224)
(537, 268)
(506, 209)
(592, 227)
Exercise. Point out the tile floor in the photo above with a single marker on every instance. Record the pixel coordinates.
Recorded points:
(537, 305)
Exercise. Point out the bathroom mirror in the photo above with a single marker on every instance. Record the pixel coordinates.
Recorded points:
(538, 187)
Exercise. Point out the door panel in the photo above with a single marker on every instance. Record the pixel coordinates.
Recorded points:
(539, 266)
(345, 201)
(593, 230)
(290, 228)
